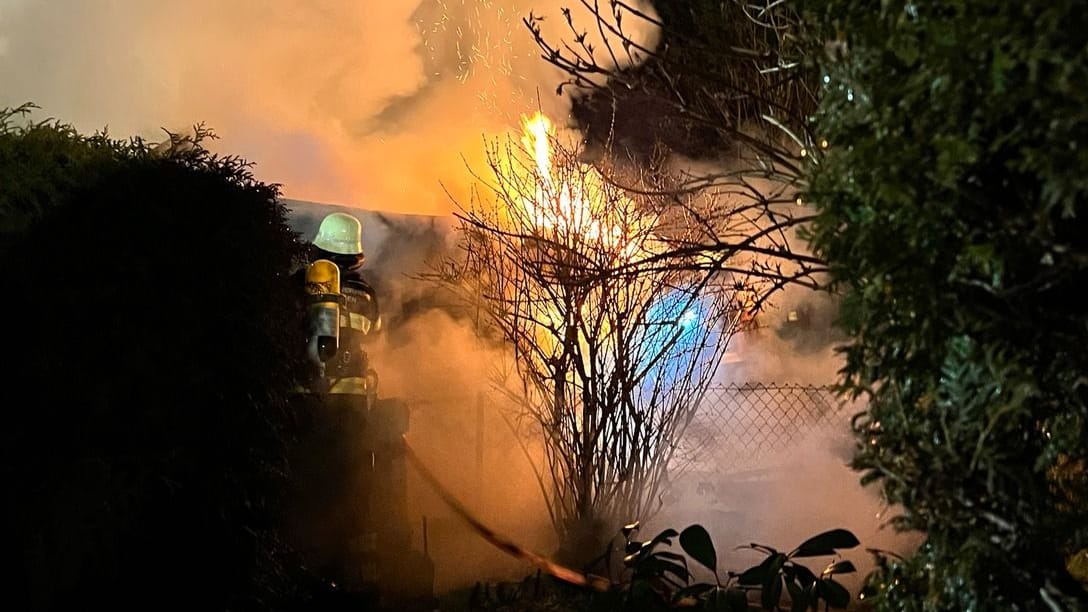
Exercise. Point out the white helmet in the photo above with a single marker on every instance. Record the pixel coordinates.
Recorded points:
(340, 233)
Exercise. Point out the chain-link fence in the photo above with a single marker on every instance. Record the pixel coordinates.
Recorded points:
(748, 426)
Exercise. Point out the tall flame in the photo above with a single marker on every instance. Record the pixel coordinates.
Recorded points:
(569, 214)
(574, 204)
(538, 133)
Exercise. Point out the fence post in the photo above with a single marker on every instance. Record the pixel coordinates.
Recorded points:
(480, 448)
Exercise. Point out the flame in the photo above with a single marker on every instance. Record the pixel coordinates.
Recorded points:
(577, 218)
(537, 134)
(574, 204)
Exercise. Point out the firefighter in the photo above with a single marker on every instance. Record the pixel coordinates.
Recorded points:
(339, 240)
(332, 483)
(355, 478)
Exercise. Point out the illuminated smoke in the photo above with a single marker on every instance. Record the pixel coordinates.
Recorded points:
(370, 104)
(376, 105)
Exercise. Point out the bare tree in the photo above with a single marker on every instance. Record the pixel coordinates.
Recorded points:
(727, 83)
(609, 360)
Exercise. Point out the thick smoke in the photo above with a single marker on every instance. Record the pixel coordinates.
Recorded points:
(374, 105)
(794, 342)
(430, 355)
(457, 429)
(747, 492)
(809, 488)
(370, 104)
(379, 105)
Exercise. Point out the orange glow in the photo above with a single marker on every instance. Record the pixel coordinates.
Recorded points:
(574, 203)
(571, 204)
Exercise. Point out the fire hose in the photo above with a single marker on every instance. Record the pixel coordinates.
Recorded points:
(507, 546)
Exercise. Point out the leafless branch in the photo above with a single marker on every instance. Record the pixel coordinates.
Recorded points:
(614, 333)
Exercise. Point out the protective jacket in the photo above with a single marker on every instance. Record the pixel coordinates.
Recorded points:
(349, 371)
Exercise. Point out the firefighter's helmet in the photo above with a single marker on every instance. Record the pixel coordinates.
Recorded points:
(340, 233)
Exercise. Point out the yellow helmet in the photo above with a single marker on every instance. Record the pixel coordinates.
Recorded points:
(340, 233)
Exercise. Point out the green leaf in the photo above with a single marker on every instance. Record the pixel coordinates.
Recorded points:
(834, 593)
(678, 558)
(842, 567)
(798, 598)
(805, 577)
(826, 543)
(763, 548)
(665, 536)
(636, 551)
(655, 566)
(772, 593)
(869, 591)
(759, 574)
(697, 544)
